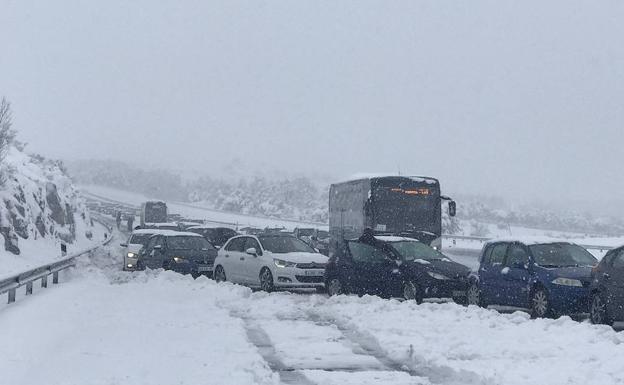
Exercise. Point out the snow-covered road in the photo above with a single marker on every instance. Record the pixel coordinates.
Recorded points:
(104, 326)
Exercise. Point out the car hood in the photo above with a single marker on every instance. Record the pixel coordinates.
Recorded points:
(199, 256)
(300, 257)
(445, 267)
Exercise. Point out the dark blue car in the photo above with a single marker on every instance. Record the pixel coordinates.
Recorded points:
(547, 279)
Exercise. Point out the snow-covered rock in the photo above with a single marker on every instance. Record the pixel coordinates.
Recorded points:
(39, 201)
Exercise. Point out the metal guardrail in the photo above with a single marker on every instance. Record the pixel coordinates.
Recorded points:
(28, 278)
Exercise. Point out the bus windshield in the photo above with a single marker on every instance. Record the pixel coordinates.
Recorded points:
(407, 207)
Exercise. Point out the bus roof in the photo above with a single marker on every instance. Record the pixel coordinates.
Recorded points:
(365, 176)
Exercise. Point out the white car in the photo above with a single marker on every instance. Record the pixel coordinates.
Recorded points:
(135, 243)
(270, 261)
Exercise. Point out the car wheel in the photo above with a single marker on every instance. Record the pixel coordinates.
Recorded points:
(411, 292)
(334, 287)
(598, 310)
(540, 305)
(219, 274)
(473, 295)
(266, 280)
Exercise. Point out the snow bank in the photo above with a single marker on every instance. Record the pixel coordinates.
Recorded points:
(154, 329)
(453, 344)
(39, 209)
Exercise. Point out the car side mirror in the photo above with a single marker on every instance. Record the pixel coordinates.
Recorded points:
(252, 251)
(452, 206)
(123, 244)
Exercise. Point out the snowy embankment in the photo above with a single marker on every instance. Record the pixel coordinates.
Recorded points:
(40, 209)
(104, 326)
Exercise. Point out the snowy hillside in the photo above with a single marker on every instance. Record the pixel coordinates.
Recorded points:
(40, 210)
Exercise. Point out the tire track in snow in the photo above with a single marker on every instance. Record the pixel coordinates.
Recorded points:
(413, 364)
(359, 345)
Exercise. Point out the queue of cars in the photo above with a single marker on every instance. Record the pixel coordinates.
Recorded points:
(544, 277)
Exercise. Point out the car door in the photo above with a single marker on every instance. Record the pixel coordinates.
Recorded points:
(372, 269)
(515, 276)
(490, 276)
(154, 253)
(232, 260)
(252, 264)
(614, 283)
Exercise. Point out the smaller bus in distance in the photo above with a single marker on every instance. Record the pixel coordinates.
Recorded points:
(153, 212)
(388, 205)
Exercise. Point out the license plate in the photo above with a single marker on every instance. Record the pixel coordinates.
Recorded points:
(204, 268)
(459, 293)
(314, 273)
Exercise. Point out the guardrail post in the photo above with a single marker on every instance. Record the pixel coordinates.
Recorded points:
(11, 295)
(44, 281)
(29, 286)
(55, 277)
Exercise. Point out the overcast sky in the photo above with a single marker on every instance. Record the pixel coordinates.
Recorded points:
(515, 98)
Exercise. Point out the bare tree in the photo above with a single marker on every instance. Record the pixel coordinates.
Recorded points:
(7, 134)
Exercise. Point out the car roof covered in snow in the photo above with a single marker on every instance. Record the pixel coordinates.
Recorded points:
(161, 224)
(391, 238)
(199, 227)
(529, 240)
(421, 179)
(173, 233)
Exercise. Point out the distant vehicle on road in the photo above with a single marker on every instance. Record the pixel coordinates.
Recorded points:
(607, 289)
(183, 252)
(251, 230)
(547, 278)
(391, 205)
(153, 212)
(318, 239)
(131, 248)
(162, 226)
(215, 235)
(390, 266)
(270, 261)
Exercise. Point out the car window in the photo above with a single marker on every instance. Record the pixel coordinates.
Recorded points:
(151, 243)
(251, 242)
(184, 242)
(487, 254)
(517, 255)
(498, 254)
(618, 260)
(139, 239)
(237, 244)
(363, 253)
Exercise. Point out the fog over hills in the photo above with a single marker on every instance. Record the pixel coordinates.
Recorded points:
(291, 195)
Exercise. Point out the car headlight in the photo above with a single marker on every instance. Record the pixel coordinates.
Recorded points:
(179, 259)
(437, 276)
(131, 255)
(282, 263)
(568, 282)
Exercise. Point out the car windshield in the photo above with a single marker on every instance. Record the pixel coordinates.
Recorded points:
(562, 255)
(188, 243)
(139, 239)
(412, 250)
(284, 244)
